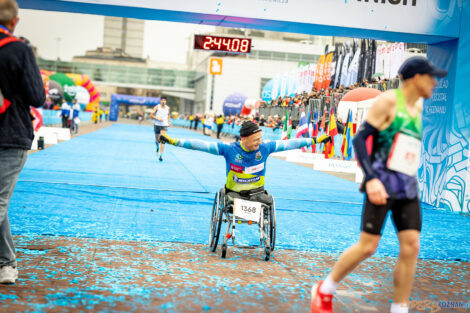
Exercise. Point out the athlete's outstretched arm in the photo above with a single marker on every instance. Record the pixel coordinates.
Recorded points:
(194, 144)
(282, 145)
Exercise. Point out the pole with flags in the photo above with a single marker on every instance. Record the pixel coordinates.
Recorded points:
(302, 129)
(286, 132)
(332, 131)
(349, 135)
(322, 129)
(310, 126)
(313, 129)
(344, 144)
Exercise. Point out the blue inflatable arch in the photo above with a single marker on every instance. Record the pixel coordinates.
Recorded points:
(117, 99)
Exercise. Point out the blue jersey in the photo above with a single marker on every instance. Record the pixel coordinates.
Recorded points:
(245, 169)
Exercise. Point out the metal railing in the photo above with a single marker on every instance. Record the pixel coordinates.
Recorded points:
(319, 105)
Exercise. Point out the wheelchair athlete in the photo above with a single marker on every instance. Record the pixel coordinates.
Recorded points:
(246, 160)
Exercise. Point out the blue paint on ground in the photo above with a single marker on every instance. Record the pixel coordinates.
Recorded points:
(109, 184)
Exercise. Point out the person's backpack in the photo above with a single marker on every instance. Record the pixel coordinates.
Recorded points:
(4, 103)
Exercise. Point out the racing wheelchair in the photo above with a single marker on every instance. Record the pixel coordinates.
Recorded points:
(232, 209)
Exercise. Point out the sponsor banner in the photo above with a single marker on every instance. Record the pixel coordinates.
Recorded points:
(340, 166)
(427, 17)
(297, 156)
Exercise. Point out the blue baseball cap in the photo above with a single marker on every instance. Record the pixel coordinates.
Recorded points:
(419, 65)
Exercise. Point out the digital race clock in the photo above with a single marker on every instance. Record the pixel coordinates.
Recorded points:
(227, 44)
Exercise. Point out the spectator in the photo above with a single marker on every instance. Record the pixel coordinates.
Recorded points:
(75, 119)
(220, 125)
(20, 87)
(65, 113)
(262, 120)
(208, 123)
(48, 104)
(191, 121)
(196, 121)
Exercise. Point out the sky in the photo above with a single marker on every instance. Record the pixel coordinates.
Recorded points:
(64, 35)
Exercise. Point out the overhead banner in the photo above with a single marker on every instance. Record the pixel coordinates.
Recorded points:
(444, 160)
(421, 17)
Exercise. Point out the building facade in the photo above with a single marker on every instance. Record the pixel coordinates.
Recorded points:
(124, 34)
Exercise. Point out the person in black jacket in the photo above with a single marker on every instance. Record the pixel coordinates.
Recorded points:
(20, 87)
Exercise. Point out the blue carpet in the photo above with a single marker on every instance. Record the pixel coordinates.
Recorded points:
(109, 184)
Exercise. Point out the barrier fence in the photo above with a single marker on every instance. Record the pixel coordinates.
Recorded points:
(319, 105)
(53, 118)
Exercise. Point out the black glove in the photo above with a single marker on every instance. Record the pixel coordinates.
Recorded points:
(323, 139)
(164, 138)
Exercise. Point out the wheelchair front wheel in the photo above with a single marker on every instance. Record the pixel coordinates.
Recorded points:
(272, 226)
(216, 222)
(267, 253)
(224, 251)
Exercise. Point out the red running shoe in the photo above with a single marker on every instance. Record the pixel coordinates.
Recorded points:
(321, 303)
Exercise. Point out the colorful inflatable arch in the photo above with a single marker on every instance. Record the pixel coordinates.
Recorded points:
(85, 82)
(79, 80)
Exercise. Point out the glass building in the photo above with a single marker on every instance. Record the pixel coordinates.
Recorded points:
(124, 74)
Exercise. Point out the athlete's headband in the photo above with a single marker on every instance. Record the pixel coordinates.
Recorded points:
(249, 128)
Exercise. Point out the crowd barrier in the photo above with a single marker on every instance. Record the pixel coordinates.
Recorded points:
(314, 105)
(321, 104)
(52, 117)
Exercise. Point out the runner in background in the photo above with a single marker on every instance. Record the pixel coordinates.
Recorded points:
(161, 116)
(390, 183)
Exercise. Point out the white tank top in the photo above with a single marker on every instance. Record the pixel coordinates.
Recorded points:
(162, 113)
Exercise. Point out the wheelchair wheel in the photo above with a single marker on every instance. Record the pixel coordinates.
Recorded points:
(224, 251)
(213, 220)
(267, 253)
(272, 226)
(216, 221)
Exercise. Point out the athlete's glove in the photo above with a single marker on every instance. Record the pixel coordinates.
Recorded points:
(322, 139)
(164, 138)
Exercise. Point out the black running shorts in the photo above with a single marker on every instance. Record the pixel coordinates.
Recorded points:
(406, 214)
(157, 129)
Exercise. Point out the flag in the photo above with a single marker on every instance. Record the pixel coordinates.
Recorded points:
(287, 127)
(313, 129)
(310, 124)
(322, 124)
(309, 129)
(333, 130)
(349, 136)
(344, 144)
(302, 129)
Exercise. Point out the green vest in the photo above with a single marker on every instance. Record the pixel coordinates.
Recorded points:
(403, 123)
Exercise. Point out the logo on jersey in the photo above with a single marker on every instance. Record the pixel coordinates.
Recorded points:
(236, 168)
(238, 180)
(258, 156)
(238, 157)
(401, 115)
(254, 169)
